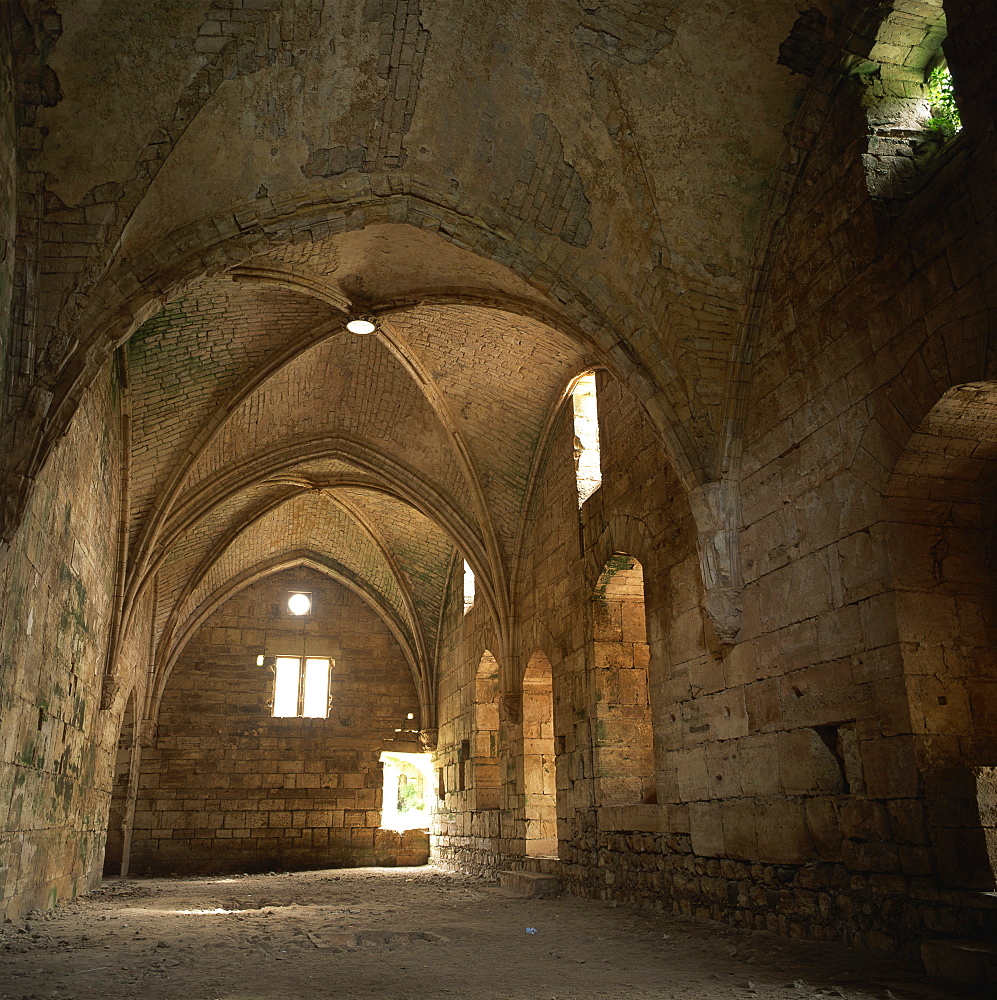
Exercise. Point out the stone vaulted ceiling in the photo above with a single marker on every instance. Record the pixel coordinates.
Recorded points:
(521, 191)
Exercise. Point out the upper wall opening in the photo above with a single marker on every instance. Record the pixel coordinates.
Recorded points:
(908, 98)
(585, 410)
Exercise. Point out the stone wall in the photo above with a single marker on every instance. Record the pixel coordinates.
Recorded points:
(816, 765)
(8, 193)
(467, 826)
(226, 787)
(56, 580)
(639, 510)
(619, 857)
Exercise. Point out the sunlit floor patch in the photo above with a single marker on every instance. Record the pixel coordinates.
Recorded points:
(410, 934)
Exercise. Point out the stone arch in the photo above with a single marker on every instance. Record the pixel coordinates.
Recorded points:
(484, 749)
(622, 533)
(134, 290)
(623, 740)
(956, 353)
(539, 757)
(941, 501)
(168, 655)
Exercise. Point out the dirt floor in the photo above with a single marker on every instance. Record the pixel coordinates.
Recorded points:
(409, 934)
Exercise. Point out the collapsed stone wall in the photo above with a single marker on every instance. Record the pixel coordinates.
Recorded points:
(227, 787)
(56, 580)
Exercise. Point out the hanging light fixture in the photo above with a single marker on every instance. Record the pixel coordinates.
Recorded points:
(362, 324)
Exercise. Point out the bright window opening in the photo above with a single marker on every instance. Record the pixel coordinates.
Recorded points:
(408, 778)
(468, 588)
(301, 693)
(944, 118)
(299, 603)
(588, 470)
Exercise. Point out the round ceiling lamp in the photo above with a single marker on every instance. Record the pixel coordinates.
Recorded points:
(361, 325)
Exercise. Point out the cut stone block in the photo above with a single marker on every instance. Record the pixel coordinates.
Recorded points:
(530, 883)
(973, 963)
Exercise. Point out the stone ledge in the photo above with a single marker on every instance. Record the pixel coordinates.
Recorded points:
(530, 883)
(972, 963)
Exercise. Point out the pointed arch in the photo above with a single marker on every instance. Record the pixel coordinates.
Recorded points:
(941, 502)
(539, 757)
(485, 739)
(623, 741)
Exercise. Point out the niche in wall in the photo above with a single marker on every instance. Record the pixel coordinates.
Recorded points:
(623, 741)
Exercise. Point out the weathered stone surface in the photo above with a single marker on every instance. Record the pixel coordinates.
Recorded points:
(530, 883)
(748, 676)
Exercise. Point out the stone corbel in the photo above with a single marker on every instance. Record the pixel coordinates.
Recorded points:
(716, 509)
(148, 731)
(511, 707)
(108, 691)
(429, 739)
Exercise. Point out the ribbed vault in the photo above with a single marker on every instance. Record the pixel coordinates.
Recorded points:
(263, 432)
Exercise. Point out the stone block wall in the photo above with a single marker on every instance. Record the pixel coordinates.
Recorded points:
(226, 787)
(468, 820)
(8, 193)
(638, 510)
(792, 764)
(55, 741)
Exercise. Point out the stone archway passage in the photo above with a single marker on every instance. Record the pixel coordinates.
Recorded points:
(623, 743)
(482, 767)
(539, 771)
(944, 517)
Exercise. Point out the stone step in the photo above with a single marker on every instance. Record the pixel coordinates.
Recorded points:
(530, 883)
(960, 960)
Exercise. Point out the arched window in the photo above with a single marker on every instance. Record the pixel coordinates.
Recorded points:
(908, 99)
(468, 588)
(588, 469)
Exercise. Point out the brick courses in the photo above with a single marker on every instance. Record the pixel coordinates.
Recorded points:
(225, 787)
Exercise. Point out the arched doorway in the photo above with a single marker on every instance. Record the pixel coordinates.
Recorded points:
(539, 777)
(942, 536)
(623, 741)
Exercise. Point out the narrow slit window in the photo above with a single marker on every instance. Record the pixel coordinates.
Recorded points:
(468, 588)
(301, 693)
(588, 469)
